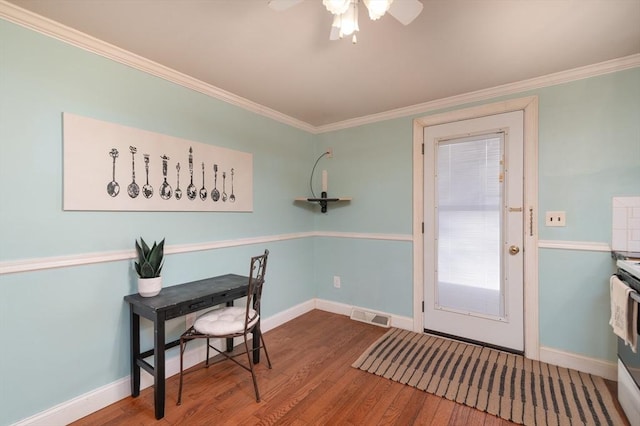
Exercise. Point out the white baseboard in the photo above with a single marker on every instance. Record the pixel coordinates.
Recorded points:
(333, 307)
(99, 398)
(397, 321)
(104, 396)
(286, 316)
(598, 367)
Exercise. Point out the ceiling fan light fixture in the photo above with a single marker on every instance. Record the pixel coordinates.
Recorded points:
(349, 19)
(377, 8)
(345, 12)
(336, 7)
(337, 19)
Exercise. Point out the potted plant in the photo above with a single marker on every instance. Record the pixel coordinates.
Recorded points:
(149, 266)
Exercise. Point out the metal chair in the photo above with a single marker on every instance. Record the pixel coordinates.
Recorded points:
(230, 322)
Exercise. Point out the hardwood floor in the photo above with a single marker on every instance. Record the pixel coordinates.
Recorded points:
(311, 383)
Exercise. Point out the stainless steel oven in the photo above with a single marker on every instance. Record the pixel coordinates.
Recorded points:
(628, 361)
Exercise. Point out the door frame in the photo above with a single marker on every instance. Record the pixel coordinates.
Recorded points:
(529, 106)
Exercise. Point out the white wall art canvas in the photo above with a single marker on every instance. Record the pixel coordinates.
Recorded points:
(113, 167)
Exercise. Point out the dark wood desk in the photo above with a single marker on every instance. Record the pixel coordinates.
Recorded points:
(173, 302)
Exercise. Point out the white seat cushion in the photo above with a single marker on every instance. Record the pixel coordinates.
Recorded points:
(223, 321)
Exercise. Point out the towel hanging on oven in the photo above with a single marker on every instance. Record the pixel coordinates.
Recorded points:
(624, 312)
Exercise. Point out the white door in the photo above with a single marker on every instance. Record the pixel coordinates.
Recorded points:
(473, 204)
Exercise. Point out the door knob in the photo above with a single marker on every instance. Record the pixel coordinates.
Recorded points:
(513, 250)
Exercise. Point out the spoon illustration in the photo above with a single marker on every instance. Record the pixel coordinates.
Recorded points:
(232, 198)
(178, 190)
(191, 189)
(113, 188)
(133, 189)
(203, 190)
(224, 179)
(165, 188)
(215, 194)
(147, 190)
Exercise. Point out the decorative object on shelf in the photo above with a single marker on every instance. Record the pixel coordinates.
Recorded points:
(148, 267)
(345, 13)
(324, 199)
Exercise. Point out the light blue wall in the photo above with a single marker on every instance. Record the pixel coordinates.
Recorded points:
(374, 274)
(43, 78)
(574, 302)
(65, 331)
(589, 151)
(372, 164)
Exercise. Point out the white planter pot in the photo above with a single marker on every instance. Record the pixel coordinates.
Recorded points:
(148, 287)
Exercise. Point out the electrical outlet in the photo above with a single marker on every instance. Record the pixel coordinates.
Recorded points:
(555, 219)
(329, 152)
(336, 281)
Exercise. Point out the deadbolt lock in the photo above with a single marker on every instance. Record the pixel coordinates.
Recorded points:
(513, 250)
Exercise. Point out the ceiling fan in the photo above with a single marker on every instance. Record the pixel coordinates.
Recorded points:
(345, 13)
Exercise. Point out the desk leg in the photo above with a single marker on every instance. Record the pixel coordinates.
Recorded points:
(159, 366)
(230, 341)
(135, 352)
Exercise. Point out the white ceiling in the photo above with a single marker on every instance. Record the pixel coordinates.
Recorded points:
(285, 61)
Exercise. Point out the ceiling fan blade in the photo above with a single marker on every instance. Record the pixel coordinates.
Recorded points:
(280, 5)
(405, 11)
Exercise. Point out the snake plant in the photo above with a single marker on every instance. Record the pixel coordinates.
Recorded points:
(150, 260)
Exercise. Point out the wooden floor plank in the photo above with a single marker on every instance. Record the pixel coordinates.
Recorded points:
(311, 383)
(400, 411)
(460, 415)
(444, 412)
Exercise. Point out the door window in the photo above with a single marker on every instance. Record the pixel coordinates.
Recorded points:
(469, 236)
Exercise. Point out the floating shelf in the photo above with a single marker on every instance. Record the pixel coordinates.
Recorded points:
(324, 200)
(319, 200)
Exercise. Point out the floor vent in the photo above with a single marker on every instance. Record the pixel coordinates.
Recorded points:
(370, 317)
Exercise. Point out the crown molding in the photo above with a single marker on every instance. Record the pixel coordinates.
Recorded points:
(25, 18)
(48, 27)
(607, 67)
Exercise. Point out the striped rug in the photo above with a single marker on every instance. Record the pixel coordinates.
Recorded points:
(506, 385)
